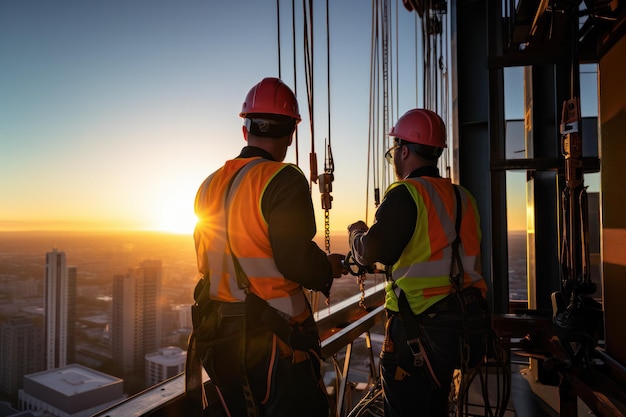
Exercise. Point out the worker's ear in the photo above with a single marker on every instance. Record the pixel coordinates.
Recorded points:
(405, 151)
(244, 130)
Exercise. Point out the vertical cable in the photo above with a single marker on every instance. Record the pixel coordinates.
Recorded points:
(396, 113)
(295, 74)
(370, 133)
(415, 19)
(328, 65)
(385, 69)
(329, 164)
(278, 37)
(308, 66)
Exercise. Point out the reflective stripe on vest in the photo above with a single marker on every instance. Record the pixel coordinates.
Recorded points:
(248, 233)
(423, 269)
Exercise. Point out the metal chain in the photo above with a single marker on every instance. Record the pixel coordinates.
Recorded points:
(361, 281)
(327, 240)
(327, 230)
(360, 274)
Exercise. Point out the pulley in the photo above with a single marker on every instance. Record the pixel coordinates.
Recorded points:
(326, 187)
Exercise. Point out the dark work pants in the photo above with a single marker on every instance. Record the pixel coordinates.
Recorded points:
(419, 389)
(296, 389)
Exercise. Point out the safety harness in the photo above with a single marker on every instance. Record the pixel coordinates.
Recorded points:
(413, 331)
(253, 306)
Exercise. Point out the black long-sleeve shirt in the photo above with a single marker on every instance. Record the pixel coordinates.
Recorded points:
(288, 209)
(394, 224)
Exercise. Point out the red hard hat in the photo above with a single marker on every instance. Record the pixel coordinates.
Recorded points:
(271, 96)
(421, 126)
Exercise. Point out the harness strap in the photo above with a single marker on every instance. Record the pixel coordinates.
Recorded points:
(254, 306)
(242, 282)
(251, 409)
(411, 328)
(258, 307)
(456, 268)
(194, 389)
(242, 279)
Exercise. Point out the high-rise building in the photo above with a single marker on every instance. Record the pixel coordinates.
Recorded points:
(72, 273)
(136, 316)
(59, 310)
(21, 352)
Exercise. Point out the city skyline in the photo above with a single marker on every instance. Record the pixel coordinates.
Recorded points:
(104, 315)
(98, 258)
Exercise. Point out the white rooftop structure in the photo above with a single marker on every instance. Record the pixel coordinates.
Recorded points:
(71, 391)
(164, 364)
(168, 356)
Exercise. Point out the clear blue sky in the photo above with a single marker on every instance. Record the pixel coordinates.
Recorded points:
(113, 112)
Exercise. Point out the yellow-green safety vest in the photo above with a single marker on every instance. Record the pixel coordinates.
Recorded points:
(423, 269)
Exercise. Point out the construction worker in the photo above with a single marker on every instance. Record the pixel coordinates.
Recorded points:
(437, 315)
(255, 331)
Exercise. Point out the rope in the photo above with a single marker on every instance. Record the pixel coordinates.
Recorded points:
(328, 66)
(308, 72)
(444, 161)
(373, 114)
(415, 19)
(435, 83)
(329, 164)
(396, 87)
(278, 35)
(385, 121)
(295, 74)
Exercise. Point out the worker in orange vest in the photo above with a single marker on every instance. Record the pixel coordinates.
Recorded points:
(253, 327)
(427, 234)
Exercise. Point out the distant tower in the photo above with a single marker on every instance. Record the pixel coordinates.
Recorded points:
(21, 352)
(136, 316)
(59, 310)
(71, 314)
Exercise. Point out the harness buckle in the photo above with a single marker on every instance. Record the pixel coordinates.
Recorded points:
(418, 357)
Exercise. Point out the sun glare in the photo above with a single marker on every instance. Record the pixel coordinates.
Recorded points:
(176, 218)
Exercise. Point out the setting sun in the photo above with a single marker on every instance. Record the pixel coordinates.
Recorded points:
(175, 217)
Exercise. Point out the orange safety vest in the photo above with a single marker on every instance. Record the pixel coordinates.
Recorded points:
(423, 269)
(238, 187)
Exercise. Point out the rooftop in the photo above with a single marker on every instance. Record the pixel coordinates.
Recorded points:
(72, 379)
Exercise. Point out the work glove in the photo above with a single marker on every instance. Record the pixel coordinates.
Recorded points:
(337, 261)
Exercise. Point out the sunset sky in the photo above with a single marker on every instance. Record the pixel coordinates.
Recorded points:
(113, 112)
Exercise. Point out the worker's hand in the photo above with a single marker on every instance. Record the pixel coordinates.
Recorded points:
(359, 226)
(338, 263)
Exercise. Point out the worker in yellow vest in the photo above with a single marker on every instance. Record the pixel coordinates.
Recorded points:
(427, 234)
(253, 328)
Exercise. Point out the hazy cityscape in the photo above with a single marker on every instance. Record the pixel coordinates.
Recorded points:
(101, 259)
